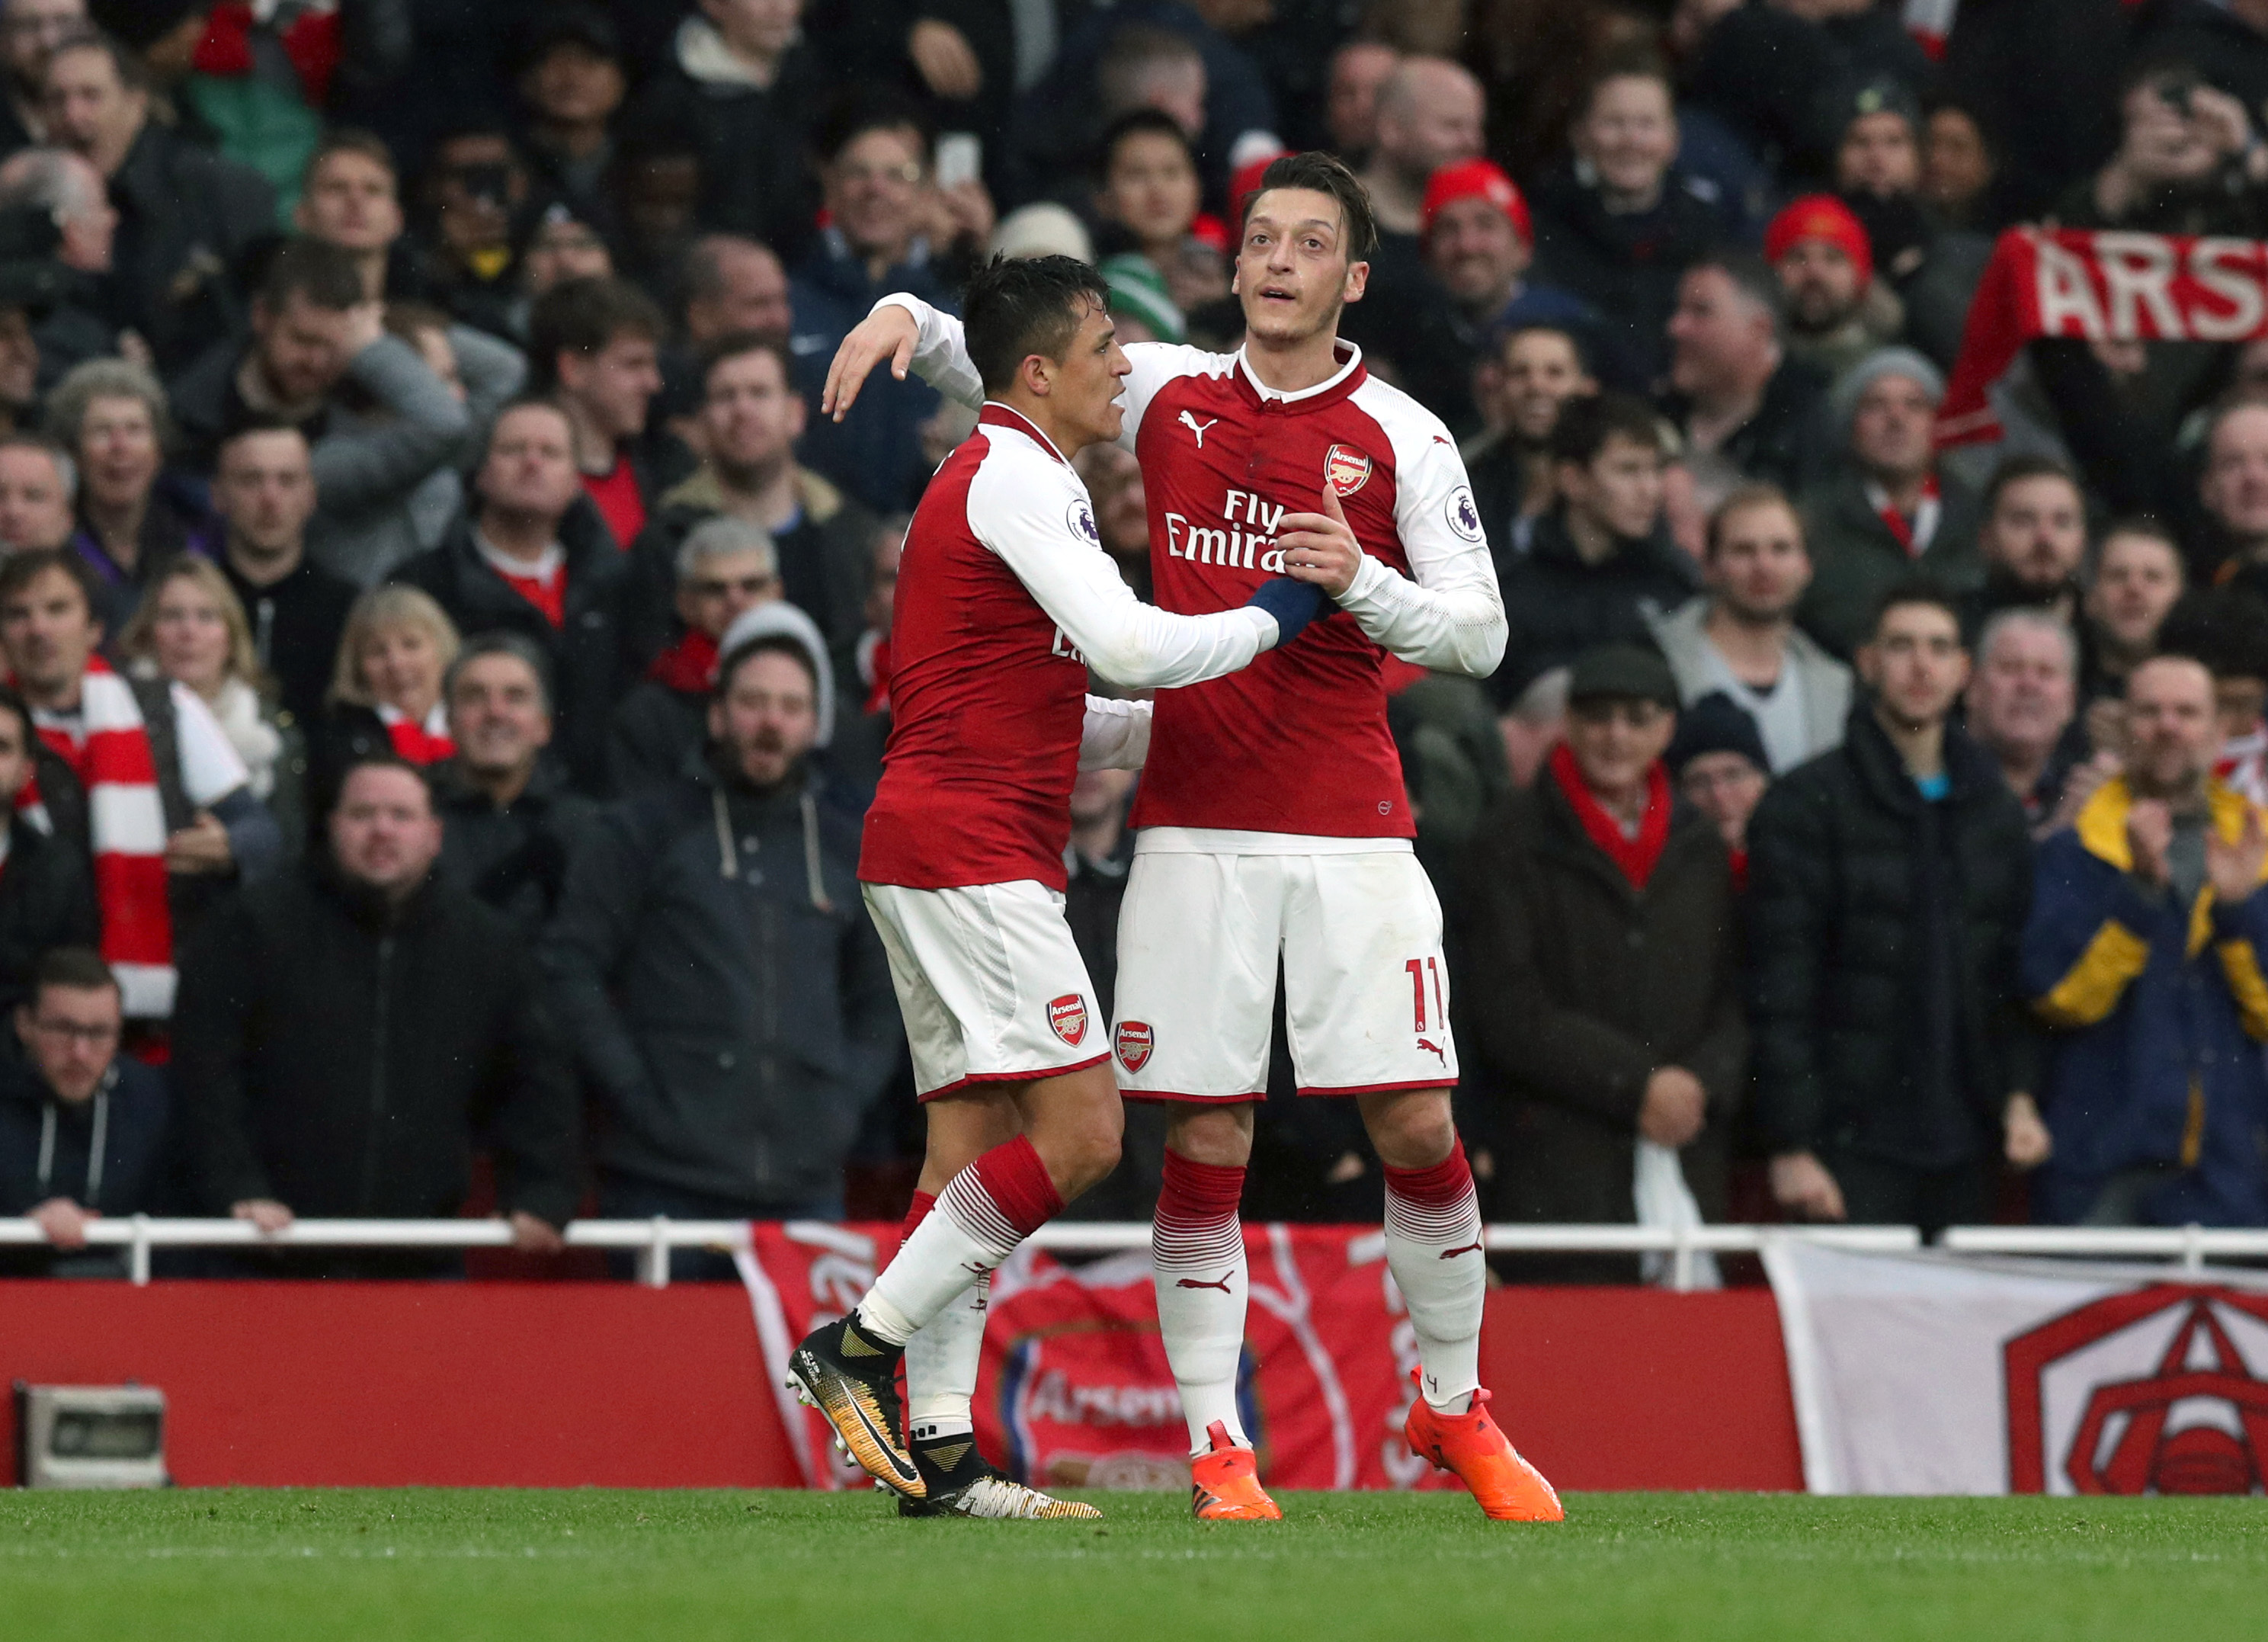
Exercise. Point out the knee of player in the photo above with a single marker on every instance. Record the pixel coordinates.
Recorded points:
(1414, 1130)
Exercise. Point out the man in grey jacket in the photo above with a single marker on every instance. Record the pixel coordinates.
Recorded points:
(1740, 638)
(378, 421)
(714, 967)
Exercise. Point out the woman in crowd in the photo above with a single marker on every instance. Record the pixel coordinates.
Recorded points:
(192, 629)
(386, 691)
(111, 415)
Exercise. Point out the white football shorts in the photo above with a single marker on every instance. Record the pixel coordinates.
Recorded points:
(989, 983)
(1365, 993)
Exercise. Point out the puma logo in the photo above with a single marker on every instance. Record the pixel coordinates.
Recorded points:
(1469, 1249)
(1192, 1283)
(1197, 427)
(1428, 1043)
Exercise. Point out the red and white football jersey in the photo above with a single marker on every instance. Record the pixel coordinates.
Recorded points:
(1296, 744)
(1005, 598)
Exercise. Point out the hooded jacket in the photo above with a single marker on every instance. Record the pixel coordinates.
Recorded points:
(49, 1147)
(2159, 1012)
(344, 1054)
(724, 989)
(657, 728)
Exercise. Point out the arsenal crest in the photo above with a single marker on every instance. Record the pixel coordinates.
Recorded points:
(1133, 1045)
(1068, 1016)
(2145, 1391)
(1347, 469)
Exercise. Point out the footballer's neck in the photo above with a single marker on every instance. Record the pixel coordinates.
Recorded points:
(1066, 433)
(1292, 364)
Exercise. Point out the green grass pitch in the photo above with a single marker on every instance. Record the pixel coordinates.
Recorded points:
(587, 1566)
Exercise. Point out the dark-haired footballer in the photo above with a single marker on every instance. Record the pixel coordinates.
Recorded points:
(1274, 815)
(1004, 600)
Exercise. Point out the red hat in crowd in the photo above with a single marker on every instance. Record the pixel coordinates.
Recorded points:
(1821, 216)
(1477, 179)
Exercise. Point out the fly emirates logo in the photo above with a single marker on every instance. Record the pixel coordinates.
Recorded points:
(1245, 539)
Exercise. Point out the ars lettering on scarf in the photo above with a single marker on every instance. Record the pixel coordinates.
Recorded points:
(2098, 287)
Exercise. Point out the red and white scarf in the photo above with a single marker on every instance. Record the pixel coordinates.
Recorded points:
(2098, 287)
(1635, 855)
(1915, 533)
(421, 744)
(126, 822)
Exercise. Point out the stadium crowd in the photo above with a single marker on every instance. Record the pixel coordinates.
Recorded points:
(448, 651)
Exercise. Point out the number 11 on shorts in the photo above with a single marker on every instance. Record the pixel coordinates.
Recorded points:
(1420, 970)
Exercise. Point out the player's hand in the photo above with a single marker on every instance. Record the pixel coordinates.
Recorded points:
(1675, 1107)
(2026, 1138)
(1801, 1185)
(1321, 548)
(887, 333)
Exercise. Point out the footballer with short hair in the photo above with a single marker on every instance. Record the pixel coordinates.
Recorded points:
(1273, 811)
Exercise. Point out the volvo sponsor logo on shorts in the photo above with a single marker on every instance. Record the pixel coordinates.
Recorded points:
(1134, 1044)
(1347, 469)
(1242, 539)
(1068, 1016)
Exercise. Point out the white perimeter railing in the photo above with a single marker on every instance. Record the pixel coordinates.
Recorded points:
(652, 1239)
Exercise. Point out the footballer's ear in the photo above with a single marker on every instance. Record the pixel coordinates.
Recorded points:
(1358, 281)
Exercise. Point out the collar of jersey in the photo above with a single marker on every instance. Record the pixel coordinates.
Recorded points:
(996, 415)
(1337, 385)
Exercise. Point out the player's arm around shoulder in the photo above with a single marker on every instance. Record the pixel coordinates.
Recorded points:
(902, 333)
(1034, 513)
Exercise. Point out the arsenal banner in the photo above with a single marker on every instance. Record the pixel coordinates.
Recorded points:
(2100, 287)
(1075, 1392)
(1932, 1373)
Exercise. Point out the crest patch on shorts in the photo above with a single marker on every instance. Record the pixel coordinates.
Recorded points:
(1134, 1044)
(1068, 1016)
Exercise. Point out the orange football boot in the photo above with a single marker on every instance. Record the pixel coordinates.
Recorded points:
(1475, 1447)
(1225, 1484)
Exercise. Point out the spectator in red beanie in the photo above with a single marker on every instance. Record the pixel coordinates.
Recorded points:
(1479, 241)
(1837, 313)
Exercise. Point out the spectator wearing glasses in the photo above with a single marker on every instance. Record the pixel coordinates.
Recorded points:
(82, 1127)
(725, 568)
